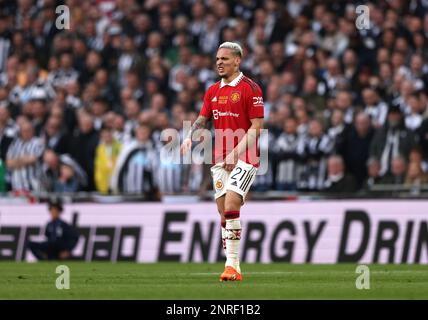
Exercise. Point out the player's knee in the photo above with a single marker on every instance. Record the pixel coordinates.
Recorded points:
(233, 204)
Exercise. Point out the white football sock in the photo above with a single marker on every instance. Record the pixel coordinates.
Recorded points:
(233, 233)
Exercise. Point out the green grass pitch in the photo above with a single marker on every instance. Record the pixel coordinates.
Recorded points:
(200, 281)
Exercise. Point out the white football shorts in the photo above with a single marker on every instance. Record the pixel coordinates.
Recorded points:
(238, 180)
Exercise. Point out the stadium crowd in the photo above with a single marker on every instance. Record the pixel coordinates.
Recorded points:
(82, 109)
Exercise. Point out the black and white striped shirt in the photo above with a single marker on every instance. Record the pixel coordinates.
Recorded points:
(169, 171)
(287, 150)
(62, 77)
(38, 90)
(134, 172)
(28, 177)
(315, 153)
(377, 113)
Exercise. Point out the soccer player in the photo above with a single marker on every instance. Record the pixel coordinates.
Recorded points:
(235, 105)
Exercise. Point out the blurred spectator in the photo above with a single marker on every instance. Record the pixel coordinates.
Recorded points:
(83, 145)
(8, 132)
(170, 171)
(67, 180)
(118, 129)
(285, 153)
(55, 136)
(135, 167)
(416, 155)
(317, 146)
(209, 36)
(374, 107)
(98, 108)
(414, 119)
(5, 40)
(106, 88)
(423, 138)
(128, 58)
(36, 110)
(337, 180)
(333, 76)
(24, 159)
(77, 171)
(398, 172)
(373, 172)
(415, 177)
(50, 170)
(392, 140)
(355, 147)
(133, 83)
(314, 100)
(105, 159)
(344, 103)
(333, 39)
(33, 85)
(132, 110)
(65, 74)
(338, 128)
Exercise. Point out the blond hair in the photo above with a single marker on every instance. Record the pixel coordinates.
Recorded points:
(235, 47)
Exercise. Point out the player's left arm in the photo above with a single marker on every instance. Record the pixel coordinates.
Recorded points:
(251, 136)
(246, 143)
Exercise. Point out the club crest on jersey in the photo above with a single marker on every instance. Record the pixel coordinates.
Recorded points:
(219, 184)
(235, 97)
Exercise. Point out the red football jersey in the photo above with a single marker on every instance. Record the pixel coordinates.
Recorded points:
(231, 106)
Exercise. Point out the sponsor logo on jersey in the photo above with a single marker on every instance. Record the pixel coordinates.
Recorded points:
(257, 101)
(214, 99)
(217, 114)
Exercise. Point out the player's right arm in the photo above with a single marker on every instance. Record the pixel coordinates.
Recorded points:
(200, 123)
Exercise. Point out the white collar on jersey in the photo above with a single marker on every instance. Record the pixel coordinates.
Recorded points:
(232, 83)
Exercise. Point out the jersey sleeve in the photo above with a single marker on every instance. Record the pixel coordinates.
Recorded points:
(206, 110)
(255, 103)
